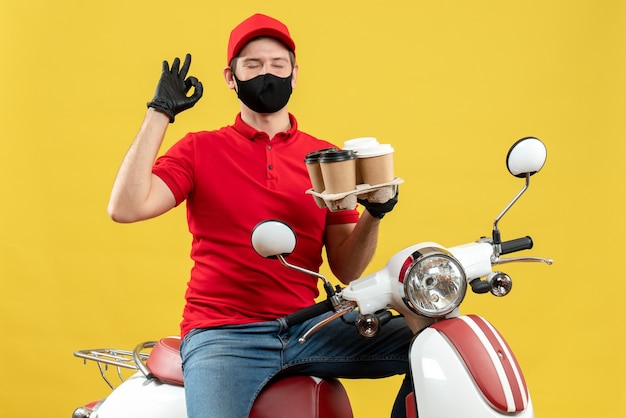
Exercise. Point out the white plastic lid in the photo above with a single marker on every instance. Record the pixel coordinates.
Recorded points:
(358, 143)
(375, 151)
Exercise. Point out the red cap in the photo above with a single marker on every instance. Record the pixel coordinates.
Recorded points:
(255, 26)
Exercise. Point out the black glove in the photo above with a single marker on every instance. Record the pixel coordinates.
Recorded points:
(378, 210)
(171, 92)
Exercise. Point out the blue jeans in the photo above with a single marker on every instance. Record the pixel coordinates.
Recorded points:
(225, 368)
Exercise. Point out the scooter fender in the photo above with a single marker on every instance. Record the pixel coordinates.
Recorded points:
(462, 367)
(139, 397)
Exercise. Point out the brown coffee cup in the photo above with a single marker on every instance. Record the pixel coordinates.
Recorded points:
(312, 161)
(355, 144)
(376, 164)
(338, 171)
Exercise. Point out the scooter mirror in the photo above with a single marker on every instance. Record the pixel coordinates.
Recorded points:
(273, 238)
(526, 156)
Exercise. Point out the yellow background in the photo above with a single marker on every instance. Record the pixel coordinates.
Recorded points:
(450, 84)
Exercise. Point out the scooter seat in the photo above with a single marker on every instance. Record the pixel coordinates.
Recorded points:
(312, 397)
(304, 397)
(164, 361)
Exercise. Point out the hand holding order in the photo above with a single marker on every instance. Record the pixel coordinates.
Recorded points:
(379, 210)
(171, 93)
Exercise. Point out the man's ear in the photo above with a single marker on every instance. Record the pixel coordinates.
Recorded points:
(229, 78)
(294, 76)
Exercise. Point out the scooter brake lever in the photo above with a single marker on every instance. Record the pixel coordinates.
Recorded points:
(498, 260)
(340, 311)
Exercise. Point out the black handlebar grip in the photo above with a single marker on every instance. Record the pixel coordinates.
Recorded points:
(519, 244)
(305, 314)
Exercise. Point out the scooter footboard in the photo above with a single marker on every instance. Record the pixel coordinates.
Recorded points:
(463, 367)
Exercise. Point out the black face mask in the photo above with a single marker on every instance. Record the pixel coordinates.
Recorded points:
(265, 93)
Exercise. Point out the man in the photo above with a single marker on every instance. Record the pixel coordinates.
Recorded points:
(234, 340)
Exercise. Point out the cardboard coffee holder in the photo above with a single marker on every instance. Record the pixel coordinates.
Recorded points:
(379, 193)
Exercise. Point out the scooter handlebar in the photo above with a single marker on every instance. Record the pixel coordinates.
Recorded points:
(514, 245)
(305, 314)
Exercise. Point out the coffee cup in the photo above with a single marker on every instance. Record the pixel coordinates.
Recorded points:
(313, 167)
(376, 164)
(356, 144)
(338, 171)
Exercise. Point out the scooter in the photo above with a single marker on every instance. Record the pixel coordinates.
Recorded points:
(461, 366)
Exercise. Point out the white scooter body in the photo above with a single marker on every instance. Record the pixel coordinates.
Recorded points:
(461, 366)
(446, 384)
(139, 397)
(487, 383)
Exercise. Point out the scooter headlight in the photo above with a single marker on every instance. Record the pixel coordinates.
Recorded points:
(432, 282)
